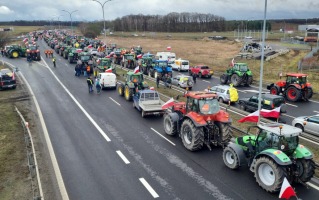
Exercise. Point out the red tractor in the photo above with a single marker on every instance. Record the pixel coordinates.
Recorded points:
(198, 121)
(294, 88)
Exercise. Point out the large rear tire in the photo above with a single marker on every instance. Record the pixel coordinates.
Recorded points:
(230, 158)
(192, 137)
(224, 79)
(249, 80)
(236, 80)
(307, 93)
(269, 175)
(293, 94)
(222, 133)
(274, 90)
(170, 127)
(305, 169)
(128, 93)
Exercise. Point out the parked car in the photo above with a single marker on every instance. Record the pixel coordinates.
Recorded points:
(7, 79)
(226, 93)
(309, 124)
(268, 102)
(201, 71)
(183, 81)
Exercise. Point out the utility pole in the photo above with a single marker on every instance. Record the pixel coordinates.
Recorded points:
(102, 5)
(70, 13)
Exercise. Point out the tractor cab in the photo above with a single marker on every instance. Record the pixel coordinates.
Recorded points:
(296, 79)
(242, 67)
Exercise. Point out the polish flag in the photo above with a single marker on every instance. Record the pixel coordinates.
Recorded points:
(275, 113)
(252, 117)
(286, 191)
(232, 62)
(137, 69)
(13, 76)
(168, 48)
(25, 40)
(109, 70)
(168, 104)
(139, 56)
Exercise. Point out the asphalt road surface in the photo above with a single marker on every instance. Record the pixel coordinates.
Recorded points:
(106, 150)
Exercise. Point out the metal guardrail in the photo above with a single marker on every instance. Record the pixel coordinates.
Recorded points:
(36, 186)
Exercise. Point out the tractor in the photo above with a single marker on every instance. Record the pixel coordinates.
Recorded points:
(85, 57)
(272, 151)
(66, 51)
(238, 75)
(16, 51)
(160, 68)
(33, 52)
(117, 57)
(128, 61)
(62, 48)
(295, 88)
(147, 65)
(104, 64)
(133, 83)
(199, 121)
(73, 55)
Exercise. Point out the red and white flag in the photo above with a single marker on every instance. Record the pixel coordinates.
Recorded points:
(25, 40)
(286, 191)
(13, 76)
(139, 56)
(168, 48)
(232, 62)
(109, 70)
(275, 113)
(252, 117)
(137, 69)
(168, 104)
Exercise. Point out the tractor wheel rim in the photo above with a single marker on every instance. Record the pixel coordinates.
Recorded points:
(272, 91)
(120, 90)
(15, 54)
(187, 135)
(291, 94)
(266, 174)
(230, 158)
(126, 92)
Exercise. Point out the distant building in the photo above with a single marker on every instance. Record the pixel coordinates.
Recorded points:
(309, 26)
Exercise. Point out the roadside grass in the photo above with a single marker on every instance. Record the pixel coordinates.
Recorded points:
(14, 174)
(21, 30)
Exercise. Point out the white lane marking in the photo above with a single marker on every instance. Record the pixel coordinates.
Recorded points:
(313, 186)
(242, 91)
(79, 105)
(115, 101)
(316, 111)
(316, 143)
(314, 101)
(206, 81)
(54, 161)
(289, 116)
(123, 157)
(66, 64)
(149, 188)
(292, 105)
(163, 136)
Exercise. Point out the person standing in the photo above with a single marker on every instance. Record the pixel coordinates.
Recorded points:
(157, 81)
(194, 77)
(98, 86)
(90, 83)
(53, 60)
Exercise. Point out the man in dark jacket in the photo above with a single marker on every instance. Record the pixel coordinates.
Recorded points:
(90, 83)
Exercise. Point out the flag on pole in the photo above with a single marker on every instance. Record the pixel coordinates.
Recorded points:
(286, 191)
(252, 117)
(168, 48)
(275, 113)
(168, 104)
(139, 56)
(108, 70)
(13, 76)
(137, 69)
(232, 62)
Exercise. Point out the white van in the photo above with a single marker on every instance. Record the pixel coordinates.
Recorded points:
(180, 65)
(107, 80)
(169, 56)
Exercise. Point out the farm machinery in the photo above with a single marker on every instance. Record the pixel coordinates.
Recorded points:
(16, 51)
(238, 75)
(199, 121)
(272, 151)
(133, 83)
(33, 52)
(128, 61)
(294, 88)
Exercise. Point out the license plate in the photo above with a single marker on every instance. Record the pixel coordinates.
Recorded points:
(9, 86)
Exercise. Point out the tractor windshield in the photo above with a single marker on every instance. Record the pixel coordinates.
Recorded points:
(162, 64)
(85, 58)
(243, 68)
(267, 140)
(137, 78)
(105, 62)
(129, 57)
(209, 106)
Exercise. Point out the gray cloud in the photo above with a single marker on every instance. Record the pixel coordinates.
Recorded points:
(90, 11)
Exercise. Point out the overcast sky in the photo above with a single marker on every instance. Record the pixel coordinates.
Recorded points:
(11, 10)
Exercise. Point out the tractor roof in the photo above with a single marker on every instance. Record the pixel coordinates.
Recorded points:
(240, 63)
(286, 130)
(132, 73)
(296, 74)
(201, 94)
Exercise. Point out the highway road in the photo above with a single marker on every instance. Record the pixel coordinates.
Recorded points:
(106, 150)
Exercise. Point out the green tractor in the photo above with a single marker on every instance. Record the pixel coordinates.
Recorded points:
(85, 57)
(66, 52)
(272, 151)
(104, 64)
(73, 55)
(133, 83)
(238, 75)
(147, 65)
(16, 51)
(128, 61)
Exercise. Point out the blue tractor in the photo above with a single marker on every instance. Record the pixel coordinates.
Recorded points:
(161, 68)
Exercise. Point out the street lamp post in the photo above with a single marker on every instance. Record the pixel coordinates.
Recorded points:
(102, 5)
(59, 21)
(70, 13)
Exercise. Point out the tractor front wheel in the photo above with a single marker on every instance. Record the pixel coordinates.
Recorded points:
(120, 90)
(224, 79)
(249, 80)
(236, 80)
(269, 175)
(170, 127)
(293, 94)
(192, 137)
(307, 93)
(15, 54)
(305, 169)
(274, 90)
(230, 158)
